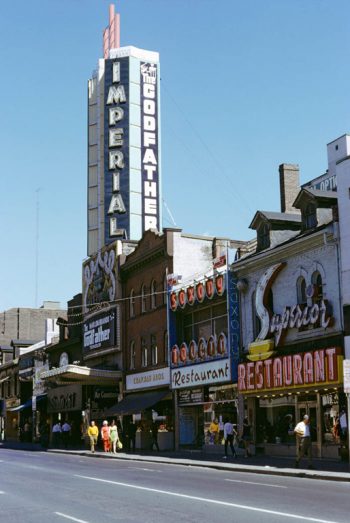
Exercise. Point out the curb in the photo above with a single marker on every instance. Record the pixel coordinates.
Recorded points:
(233, 467)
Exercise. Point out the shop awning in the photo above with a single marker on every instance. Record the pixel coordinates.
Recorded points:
(81, 375)
(27, 404)
(135, 403)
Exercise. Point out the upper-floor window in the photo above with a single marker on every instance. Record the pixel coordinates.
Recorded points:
(143, 298)
(309, 216)
(144, 355)
(318, 286)
(132, 355)
(132, 304)
(154, 350)
(263, 236)
(301, 290)
(153, 294)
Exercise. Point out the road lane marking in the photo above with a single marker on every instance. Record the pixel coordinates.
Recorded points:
(256, 483)
(214, 501)
(140, 468)
(70, 517)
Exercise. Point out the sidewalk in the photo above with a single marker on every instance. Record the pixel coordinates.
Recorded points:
(333, 470)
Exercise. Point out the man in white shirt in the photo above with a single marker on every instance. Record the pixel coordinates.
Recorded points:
(229, 434)
(303, 441)
(56, 434)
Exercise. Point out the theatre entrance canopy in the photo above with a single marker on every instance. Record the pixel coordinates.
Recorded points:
(69, 374)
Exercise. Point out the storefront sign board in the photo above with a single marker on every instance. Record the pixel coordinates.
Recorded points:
(152, 378)
(346, 375)
(210, 373)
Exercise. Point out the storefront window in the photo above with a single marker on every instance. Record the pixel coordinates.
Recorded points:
(330, 418)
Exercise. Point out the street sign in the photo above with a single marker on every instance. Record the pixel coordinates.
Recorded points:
(346, 374)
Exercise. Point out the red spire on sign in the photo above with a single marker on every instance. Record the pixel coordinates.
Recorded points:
(111, 35)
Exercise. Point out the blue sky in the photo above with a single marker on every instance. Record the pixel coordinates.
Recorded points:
(245, 86)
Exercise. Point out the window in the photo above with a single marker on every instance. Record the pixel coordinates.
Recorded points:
(301, 291)
(144, 360)
(143, 298)
(318, 287)
(132, 355)
(154, 350)
(153, 295)
(166, 348)
(205, 322)
(132, 304)
(263, 237)
(309, 216)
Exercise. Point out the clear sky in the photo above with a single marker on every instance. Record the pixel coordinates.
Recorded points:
(245, 86)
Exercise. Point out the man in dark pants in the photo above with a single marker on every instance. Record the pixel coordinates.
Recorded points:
(154, 430)
(229, 434)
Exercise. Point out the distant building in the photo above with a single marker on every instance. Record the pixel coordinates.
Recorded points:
(27, 323)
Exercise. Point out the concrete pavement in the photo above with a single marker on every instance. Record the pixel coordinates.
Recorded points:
(331, 470)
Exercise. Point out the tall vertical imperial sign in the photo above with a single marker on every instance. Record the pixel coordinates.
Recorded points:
(116, 129)
(149, 146)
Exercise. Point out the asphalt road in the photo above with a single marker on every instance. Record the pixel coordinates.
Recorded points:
(43, 487)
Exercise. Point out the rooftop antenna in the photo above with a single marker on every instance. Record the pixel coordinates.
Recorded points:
(111, 34)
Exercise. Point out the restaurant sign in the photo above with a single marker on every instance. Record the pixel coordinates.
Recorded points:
(210, 373)
(305, 370)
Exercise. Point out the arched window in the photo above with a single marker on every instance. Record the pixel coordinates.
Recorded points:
(166, 349)
(301, 290)
(154, 350)
(144, 355)
(132, 355)
(143, 298)
(153, 295)
(132, 304)
(318, 287)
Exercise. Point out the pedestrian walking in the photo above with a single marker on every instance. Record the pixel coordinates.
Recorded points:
(113, 436)
(56, 435)
(214, 432)
(229, 435)
(154, 431)
(246, 437)
(66, 430)
(105, 436)
(303, 441)
(92, 432)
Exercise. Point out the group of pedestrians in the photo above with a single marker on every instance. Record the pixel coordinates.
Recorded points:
(61, 433)
(109, 436)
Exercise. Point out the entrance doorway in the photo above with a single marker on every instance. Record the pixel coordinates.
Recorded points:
(309, 408)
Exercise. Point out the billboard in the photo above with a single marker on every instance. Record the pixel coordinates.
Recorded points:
(100, 277)
(100, 331)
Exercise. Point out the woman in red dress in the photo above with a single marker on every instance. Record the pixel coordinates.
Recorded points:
(105, 436)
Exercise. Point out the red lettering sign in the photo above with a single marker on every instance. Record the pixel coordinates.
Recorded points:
(294, 370)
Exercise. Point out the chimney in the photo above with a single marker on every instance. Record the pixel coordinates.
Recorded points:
(289, 186)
